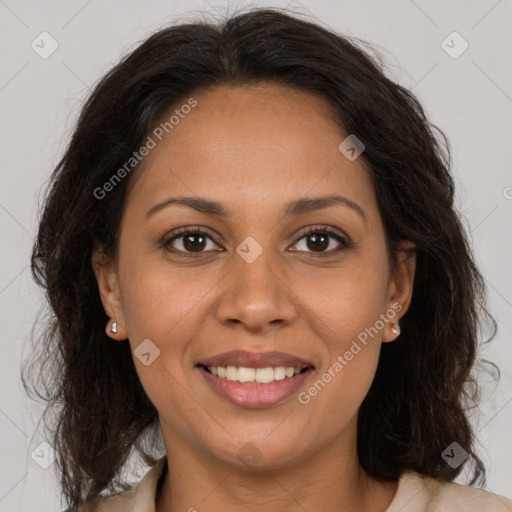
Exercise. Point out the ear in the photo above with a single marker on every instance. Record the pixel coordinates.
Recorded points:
(400, 287)
(108, 285)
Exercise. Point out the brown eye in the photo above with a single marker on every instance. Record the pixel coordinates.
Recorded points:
(189, 241)
(194, 242)
(319, 240)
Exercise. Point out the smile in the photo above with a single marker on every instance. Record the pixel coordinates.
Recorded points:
(257, 375)
(254, 387)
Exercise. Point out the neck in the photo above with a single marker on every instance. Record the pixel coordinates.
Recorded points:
(328, 480)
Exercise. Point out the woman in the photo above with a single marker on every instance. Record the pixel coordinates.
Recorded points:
(250, 248)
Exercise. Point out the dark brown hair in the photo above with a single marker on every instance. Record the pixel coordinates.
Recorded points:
(424, 386)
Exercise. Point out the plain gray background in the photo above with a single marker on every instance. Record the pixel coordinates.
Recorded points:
(469, 97)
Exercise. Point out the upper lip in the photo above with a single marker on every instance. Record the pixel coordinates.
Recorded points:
(255, 360)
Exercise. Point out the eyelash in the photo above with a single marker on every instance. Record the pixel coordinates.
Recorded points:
(181, 232)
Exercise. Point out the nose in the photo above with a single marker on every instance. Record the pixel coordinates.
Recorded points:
(257, 295)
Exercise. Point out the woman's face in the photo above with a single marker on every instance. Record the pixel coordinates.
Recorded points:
(255, 279)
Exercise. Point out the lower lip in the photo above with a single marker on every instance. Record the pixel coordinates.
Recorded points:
(255, 395)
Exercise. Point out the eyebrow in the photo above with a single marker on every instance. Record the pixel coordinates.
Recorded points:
(293, 208)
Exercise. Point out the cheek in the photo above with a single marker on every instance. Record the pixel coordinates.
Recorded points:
(160, 308)
(348, 302)
(166, 306)
(159, 300)
(353, 347)
(346, 310)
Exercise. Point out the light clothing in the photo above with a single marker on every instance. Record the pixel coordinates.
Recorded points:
(415, 493)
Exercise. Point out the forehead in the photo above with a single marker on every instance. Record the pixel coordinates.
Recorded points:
(246, 145)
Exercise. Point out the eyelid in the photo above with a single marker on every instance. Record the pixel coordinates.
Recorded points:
(323, 228)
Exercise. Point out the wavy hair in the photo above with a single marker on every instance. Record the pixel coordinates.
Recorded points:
(424, 387)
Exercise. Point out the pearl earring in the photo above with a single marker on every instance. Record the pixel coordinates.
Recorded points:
(395, 329)
(113, 328)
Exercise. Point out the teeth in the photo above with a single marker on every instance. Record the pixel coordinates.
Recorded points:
(264, 375)
(232, 373)
(279, 373)
(258, 375)
(246, 374)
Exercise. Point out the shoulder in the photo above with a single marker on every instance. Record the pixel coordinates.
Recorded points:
(418, 493)
(140, 498)
(122, 502)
